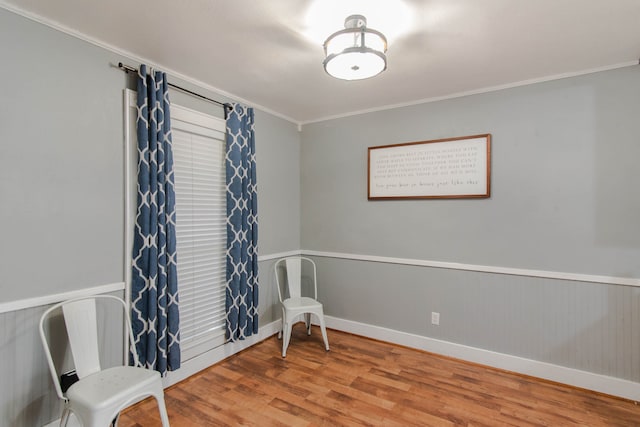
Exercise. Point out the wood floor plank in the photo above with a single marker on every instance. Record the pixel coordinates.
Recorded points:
(363, 382)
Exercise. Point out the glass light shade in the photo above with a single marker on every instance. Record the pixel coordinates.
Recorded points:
(355, 53)
(355, 65)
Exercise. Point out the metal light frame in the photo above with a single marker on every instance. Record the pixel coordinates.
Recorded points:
(356, 25)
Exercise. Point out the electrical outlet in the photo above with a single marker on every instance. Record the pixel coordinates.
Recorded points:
(435, 318)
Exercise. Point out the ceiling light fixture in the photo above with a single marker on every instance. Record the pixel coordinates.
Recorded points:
(355, 53)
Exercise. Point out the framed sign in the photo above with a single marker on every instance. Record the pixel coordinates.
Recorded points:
(452, 168)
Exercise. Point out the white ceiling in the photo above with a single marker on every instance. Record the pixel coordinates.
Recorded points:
(268, 53)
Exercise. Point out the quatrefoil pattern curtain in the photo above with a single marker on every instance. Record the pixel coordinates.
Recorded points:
(242, 225)
(154, 286)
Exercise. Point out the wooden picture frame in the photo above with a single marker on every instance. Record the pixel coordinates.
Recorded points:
(451, 168)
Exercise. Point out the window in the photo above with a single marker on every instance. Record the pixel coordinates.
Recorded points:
(198, 157)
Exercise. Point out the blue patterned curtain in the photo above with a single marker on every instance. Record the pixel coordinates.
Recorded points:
(154, 286)
(242, 226)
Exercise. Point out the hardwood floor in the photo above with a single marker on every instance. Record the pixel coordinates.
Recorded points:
(365, 382)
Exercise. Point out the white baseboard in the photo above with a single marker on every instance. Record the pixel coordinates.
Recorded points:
(573, 377)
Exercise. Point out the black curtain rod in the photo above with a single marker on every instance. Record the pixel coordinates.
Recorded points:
(225, 105)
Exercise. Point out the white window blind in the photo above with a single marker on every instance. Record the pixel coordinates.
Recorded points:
(198, 155)
(198, 150)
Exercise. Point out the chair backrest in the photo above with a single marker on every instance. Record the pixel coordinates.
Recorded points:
(293, 267)
(82, 329)
(80, 319)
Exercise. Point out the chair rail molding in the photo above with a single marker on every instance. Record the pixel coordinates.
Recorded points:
(578, 277)
(55, 298)
(278, 255)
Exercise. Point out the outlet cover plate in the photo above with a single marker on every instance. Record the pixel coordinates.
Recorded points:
(435, 318)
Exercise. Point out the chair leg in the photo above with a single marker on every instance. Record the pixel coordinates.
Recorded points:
(163, 410)
(286, 338)
(323, 329)
(307, 322)
(64, 419)
(281, 326)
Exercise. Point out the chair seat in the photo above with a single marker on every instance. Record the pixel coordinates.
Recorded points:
(113, 386)
(301, 303)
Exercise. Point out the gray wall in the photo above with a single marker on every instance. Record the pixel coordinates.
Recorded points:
(564, 199)
(60, 162)
(564, 178)
(61, 186)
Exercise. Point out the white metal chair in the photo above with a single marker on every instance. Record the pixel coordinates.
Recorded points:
(293, 303)
(100, 394)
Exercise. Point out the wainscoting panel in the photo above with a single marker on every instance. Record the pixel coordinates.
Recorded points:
(25, 397)
(591, 327)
